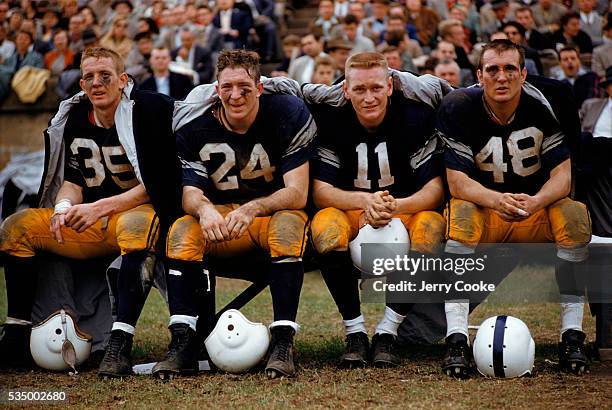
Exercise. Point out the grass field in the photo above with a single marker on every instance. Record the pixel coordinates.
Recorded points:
(417, 383)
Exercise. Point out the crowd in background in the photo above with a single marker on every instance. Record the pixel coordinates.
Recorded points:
(171, 46)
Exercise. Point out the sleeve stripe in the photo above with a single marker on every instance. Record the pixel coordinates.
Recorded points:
(303, 138)
(328, 156)
(425, 153)
(552, 140)
(195, 166)
(458, 148)
(550, 147)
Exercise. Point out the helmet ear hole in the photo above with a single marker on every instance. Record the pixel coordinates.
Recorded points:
(230, 327)
(58, 331)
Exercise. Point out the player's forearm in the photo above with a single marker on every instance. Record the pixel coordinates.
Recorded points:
(122, 202)
(557, 187)
(71, 192)
(285, 198)
(333, 197)
(463, 187)
(194, 201)
(427, 198)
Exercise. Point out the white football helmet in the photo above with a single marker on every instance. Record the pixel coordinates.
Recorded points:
(236, 344)
(504, 348)
(58, 344)
(393, 233)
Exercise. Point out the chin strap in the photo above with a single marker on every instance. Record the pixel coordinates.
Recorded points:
(68, 352)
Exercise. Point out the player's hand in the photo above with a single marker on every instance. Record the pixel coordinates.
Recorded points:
(377, 211)
(239, 220)
(57, 222)
(213, 225)
(82, 216)
(509, 208)
(528, 203)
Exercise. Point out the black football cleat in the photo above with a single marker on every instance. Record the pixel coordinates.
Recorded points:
(356, 354)
(457, 360)
(280, 360)
(182, 356)
(384, 350)
(117, 361)
(15, 348)
(572, 352)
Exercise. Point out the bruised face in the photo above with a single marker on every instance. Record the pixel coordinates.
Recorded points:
(101, 82)
(501, 76)
(239, 93)
(368, 90)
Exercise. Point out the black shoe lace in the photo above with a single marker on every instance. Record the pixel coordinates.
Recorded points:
(179, 341)
(574, 347)
(114, 347)
(353, 343)
(456, 350)
(281, 349)
(385, 344)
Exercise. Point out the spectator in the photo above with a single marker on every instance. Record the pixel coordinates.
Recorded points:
(447, 51)
(590, 21)
(69, 9)
(124, 8)
(89, 19)
(459, 12)
(350, 32)
(233, 23)
(61, 56)
(48, 25)
(23, 56)
(29, 9)
(490, 23)
(117, 38)
(265, 28)
(602, 55)
(163, 80)
(571, 35)
(547, 15)
(4, 9)
(325, 21)
(472, 21)
(7, 47)
(68, 83)
(408, 48)
(324, 71)
(393, 56)
(137, 62)
(451, 30)
(535, 39)
(176, 19)
(15, 19)
(41, 47)
(339, 50)
(291, 49)
(302, 68)
(596, 114)
(76, 26)
(207, 34)
(195, 57)
(357, 9)
(147, 25)
(516, 33)
(449, 71)
(584, 84)
(377, 23)
(424, 19)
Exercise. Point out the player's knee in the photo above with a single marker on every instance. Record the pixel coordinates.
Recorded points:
(570, 224)
(330, 229)
(287, 233)
(185, 241)
(137, 229)
(427, 232)
(465, 222)
(16, 230)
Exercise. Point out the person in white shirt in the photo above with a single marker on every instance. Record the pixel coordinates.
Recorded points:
(590, 21)
(302, 68)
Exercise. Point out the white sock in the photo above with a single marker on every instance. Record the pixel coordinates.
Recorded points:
(13, 321)
(457, 318)
(572, 310)
(127, 328)
(187, 320)
(294, 325)
(390, 322)
(355, 325)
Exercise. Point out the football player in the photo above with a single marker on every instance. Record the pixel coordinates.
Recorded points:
(245, 183)
(508, 171)
(112, 139)
(376, 160)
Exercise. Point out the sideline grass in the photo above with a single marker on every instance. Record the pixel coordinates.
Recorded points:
(417, 383)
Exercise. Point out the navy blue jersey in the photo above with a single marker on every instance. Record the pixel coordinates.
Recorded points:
(400, 156)
(95, 159)
(236, 168)
(516, 157)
